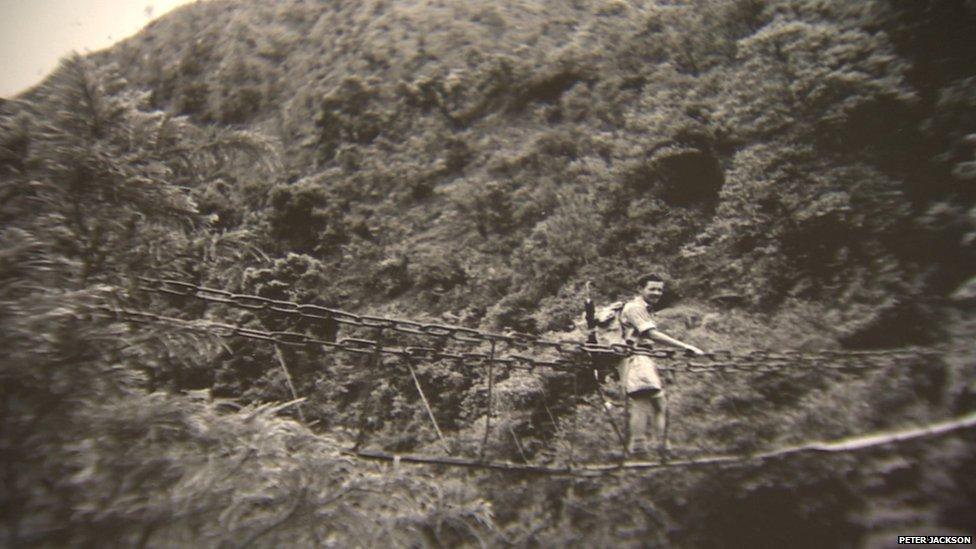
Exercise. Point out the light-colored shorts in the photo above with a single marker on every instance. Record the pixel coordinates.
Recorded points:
(639, 374)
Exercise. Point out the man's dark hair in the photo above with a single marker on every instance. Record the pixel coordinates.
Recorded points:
(649, 277)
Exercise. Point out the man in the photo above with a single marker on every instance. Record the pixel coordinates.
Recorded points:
(638, 374)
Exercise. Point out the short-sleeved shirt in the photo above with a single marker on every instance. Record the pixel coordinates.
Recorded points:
(638, 373)
(635, 319)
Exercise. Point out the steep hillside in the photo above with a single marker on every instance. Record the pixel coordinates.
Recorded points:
(484, 160)
(800, 170)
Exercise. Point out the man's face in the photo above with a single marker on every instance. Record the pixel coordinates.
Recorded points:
(652, 291)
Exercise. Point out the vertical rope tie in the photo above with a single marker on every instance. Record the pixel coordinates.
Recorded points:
(673, 383)
(488, 405)
(603, 406)
(545, 404)
(518, 444)
(291, 385)
(430, 412)
(627, 404)
(572, 438)
(377, 362)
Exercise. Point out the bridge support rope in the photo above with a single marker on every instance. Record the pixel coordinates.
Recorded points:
(848, 444)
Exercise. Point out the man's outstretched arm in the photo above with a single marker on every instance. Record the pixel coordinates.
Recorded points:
(658, 335)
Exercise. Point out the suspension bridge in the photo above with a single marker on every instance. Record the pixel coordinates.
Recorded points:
(522, 351)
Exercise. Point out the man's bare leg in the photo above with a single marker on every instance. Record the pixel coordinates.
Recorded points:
(660, 418)
(641, 409)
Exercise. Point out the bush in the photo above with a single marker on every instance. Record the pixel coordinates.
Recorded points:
(305, 218)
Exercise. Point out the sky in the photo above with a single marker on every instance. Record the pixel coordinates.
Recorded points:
(36, 34)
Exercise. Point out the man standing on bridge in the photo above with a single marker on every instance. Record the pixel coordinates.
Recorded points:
(638, 374)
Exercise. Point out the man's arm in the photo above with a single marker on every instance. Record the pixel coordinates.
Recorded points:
(641, 320)
(658, 335)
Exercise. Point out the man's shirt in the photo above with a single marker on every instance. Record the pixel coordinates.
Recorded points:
(635, 319)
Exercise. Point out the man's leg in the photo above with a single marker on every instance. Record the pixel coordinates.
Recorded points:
(659, 414)
(641, 410)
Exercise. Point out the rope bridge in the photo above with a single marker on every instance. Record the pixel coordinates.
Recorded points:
(572, 357)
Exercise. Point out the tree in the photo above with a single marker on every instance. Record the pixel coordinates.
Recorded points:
(91, 201)
(809, 72)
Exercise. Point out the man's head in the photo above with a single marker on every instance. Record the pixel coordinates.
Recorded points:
(651, 288)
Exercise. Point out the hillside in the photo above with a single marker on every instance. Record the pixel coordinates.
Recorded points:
(800, 170)
(460, 152)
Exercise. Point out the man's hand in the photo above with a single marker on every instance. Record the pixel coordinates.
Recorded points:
(694, 350)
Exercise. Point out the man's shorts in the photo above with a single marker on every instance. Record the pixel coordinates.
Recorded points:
(638, 374)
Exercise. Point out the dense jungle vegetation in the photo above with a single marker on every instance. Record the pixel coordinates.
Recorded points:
(802, 170)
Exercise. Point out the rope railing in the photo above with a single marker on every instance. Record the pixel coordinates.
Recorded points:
(512, 360)
(718, 360)
(350, 344)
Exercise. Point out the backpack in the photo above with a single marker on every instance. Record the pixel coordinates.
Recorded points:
(603, 324)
